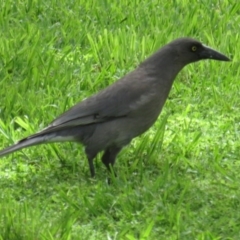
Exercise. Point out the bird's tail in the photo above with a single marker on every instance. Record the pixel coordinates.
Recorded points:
(27, 142)
(75, 134)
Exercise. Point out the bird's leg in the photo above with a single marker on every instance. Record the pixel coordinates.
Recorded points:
(91, 167)
(109, 157)
(90, 157)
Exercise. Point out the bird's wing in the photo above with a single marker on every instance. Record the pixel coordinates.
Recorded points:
(117, 100)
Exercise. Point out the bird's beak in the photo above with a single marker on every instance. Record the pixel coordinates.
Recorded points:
(209, 53)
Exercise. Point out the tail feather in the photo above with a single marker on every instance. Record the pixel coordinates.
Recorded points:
(72, 134)
(26, 142)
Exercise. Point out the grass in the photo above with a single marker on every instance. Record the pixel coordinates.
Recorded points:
(180, 180)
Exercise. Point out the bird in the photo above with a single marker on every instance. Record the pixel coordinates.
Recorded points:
(108, 120)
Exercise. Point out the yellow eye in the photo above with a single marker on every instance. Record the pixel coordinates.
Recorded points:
(194, 48)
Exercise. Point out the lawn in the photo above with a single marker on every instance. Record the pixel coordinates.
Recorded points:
(179, 180)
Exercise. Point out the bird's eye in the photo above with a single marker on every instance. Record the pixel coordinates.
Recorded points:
(194, 48)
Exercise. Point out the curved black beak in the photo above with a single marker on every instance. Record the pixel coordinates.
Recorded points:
(209, 53)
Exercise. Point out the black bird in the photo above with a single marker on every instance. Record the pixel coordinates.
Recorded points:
(110, 119)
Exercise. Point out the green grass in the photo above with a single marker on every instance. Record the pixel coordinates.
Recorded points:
(180, 180)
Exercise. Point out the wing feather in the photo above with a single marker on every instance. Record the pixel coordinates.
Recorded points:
(115, 101)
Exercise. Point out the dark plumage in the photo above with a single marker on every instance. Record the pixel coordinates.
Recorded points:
(110, 119)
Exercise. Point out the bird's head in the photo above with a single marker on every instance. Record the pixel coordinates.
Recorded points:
(189, 50)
